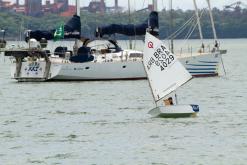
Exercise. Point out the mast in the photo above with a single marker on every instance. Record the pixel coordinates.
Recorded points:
(171, 26)
(212, 20)
(156, 104)
(76, 45)
(78, 12)
(198, 21)
(150, 86)
(149, 83)
(155, 5)
(155, 8)
(130, 40)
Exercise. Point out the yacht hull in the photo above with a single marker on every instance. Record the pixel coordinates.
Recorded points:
(203, 65)
(101, 71)
(198, 66)
(34, 71)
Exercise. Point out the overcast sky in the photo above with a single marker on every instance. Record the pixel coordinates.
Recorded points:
(138, 4)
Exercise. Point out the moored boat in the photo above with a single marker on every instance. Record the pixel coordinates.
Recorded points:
(35, 63)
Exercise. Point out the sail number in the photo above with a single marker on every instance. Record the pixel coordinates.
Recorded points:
(34, 66)
(162, 58)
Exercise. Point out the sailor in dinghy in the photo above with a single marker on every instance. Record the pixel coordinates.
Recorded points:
(165, 74)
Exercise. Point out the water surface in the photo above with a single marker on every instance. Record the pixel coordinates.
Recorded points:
(106, 122)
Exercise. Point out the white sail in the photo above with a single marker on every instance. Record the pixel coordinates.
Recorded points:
(165, 73)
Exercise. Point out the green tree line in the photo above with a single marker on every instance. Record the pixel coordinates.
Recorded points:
(229, 24)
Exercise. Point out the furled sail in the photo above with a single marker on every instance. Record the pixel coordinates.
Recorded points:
(131, 30)
(165, 73)
(72, 29)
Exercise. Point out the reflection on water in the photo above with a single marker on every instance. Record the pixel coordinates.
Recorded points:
(103, 122)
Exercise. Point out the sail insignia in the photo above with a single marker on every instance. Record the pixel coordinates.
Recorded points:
(59, 33)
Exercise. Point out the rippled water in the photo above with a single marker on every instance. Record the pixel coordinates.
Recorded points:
(106, 122)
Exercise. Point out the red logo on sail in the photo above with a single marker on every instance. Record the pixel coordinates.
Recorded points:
(150, 44)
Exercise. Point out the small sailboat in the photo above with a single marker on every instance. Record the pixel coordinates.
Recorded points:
(165, 74)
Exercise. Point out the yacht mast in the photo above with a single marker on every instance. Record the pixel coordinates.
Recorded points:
(155, 5)
(198, 21)
(78, 8)
(76, 45)
(130, 40)
(212, 20)
(171, 26)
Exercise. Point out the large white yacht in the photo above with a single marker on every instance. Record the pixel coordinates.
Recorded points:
(37, 64)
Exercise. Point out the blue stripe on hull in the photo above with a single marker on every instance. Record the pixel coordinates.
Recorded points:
(213, 69)
(205, 75)
(202, 72)
(210, 62)
(199, 65)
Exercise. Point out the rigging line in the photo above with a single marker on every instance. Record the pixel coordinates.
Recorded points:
(192, 29)
(223, 66)
(185, 24)
(189, 34)
(188, 22)
(181, 28)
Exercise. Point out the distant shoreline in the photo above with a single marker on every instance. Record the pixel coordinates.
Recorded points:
(230, 24)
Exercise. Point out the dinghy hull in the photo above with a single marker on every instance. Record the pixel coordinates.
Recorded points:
(175, 111)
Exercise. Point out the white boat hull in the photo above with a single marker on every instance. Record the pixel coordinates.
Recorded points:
(203, 65)
(34, 71)
(175, 111)
(101, 71)
(198, 66)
